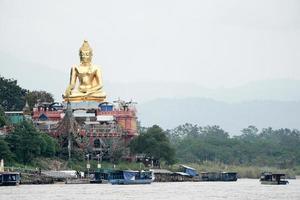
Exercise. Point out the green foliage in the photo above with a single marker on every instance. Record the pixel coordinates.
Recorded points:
(12, 96)
(76, 155)
(50, 145)
(24, 141)
(5, 152)
(27, 143)
(154, 143)
(3, 120)
(33, 97)
(279, 148)
(117, 150)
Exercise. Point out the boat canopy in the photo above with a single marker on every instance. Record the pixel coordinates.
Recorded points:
(129, 175)
(190, 171)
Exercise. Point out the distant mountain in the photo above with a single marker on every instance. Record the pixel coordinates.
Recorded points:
(232, 117)
(280, 89)
(35, 76)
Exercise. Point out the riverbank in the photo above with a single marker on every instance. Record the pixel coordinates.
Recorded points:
(59, 164)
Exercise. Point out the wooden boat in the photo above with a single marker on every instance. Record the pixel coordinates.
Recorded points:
(9, 178)
(270, 178)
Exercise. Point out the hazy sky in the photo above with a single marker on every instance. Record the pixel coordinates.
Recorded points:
(213, 43)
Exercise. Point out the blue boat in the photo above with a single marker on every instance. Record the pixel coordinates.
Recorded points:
(126, 177)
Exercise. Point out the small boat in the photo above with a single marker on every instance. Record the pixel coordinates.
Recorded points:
(126, 177)
(9, 178)
(270, 178)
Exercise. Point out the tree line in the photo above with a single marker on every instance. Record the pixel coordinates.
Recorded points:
(268, 147)
(185, 143)
(25, 143)
(13, 97)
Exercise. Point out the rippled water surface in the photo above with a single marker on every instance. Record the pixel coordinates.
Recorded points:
(242, 189)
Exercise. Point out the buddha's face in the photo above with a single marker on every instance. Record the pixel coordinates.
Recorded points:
(85, 56)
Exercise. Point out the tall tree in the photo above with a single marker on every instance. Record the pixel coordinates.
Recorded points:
(2, 117)
(33, 97)
(5, 152)
(26, 142)
(12, 96)
(155, 144)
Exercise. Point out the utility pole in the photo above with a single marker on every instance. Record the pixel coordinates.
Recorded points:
(69, 146)
(70, 128)
(88, 166)
(99, 156)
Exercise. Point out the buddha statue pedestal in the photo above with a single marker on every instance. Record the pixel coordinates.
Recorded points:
(82, 105)
(84, 98)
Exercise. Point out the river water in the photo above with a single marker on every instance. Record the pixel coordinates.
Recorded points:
(243, 189)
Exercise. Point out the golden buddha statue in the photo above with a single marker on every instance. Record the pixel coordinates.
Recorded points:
(90, 79)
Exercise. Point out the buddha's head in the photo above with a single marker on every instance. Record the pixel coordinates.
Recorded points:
(85, 53)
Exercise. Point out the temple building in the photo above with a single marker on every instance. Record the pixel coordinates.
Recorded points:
(96, 129)
(84, 119)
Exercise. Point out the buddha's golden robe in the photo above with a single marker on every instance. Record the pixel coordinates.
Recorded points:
(85, 79)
